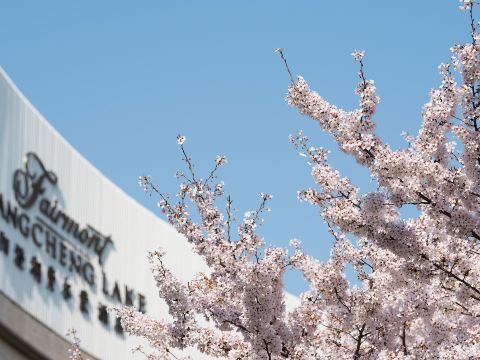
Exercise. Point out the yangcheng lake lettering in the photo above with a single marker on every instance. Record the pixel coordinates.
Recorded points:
(65, 241)
(87, 236)
(48, 240)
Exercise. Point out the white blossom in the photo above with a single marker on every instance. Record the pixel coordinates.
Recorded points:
(181, 139)
(358, 54)
(220, 160)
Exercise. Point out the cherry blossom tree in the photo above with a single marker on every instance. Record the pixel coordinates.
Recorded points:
(418, 290)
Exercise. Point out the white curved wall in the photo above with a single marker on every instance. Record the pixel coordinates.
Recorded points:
(88, 198)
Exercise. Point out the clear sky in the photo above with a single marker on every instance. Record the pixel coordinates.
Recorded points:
(120, 79)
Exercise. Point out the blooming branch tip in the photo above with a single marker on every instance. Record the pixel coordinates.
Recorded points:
(466, 4)
(358, 54)
(220, 160)
(181, 139)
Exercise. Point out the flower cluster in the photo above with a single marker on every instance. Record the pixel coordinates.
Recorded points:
(420, 293)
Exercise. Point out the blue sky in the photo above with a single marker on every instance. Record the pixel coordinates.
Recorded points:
(120, 79)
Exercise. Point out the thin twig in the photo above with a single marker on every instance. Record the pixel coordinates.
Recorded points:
(280, 51)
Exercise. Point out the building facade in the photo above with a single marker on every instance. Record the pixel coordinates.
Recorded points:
(71, 244)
